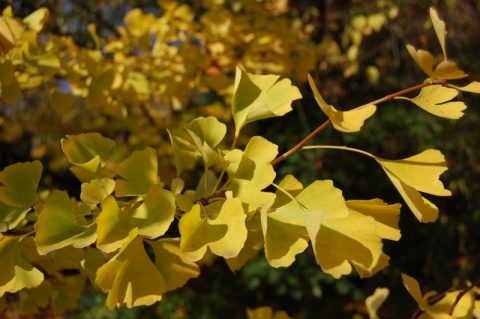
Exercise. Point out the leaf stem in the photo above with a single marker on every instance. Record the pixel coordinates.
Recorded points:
(461, 294)
(384, 99)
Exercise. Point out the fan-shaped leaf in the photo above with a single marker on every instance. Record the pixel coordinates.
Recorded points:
(96, 190)
(257, 97)
(16, 272)
(348, 121)
(130, 277)
(11, 216)
(19, 182)
(447, 70)
(473, 87)
(434, 99)
(87, 150)
(152, 218)
(139, 172)
(184, 151)
(10, 31)
(375, 301)
(219, 226)
(57, 227)
(11, 92)
(37, 19)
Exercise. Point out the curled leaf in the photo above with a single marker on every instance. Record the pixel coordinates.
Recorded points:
(447, 70)
(347, 121)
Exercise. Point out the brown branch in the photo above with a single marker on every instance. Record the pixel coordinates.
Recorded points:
(386, 98)
(461, 294)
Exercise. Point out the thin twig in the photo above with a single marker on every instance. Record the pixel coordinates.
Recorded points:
(386, 98)
(461, 294)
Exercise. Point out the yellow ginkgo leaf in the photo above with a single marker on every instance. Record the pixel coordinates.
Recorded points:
(130, 277)
(375, 301)
(219, 226)
(473, 87)
(37, 19)
(434, 99)
(439, 27)
(447, 70)
(10, 31)
(386, 216)
(347, 121)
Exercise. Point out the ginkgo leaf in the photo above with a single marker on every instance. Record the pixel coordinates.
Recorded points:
(386, 216)
(16, 272)
(207, 133)
(463, 309)
(10, 31)
(152, 218)
(57, 227)
(87, 150)
(37, 19)
(223, 230)
(185, 152)
(130, 277)
(257, 97)
(434, 99)
(33, 299)
(251, 248)
(174, 267)
(447, 70)
(439, 27)
(266, 313)
(11, 216)
(66, 293)
(11, 92)
(139, 172)
(347, 121)
(375, 301)
(19, 182)
(473, 87)
(96, 190)
(62, 102)
(250, 172)
(413, 289)
(92, 260)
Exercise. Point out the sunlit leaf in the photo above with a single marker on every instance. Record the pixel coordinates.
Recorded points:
(11, 216)
(96, 190)
(258, 97)
(447, 70)
(375, 301)
(439, 27)
(37, 19)
(87, 150)
(175, 269)
(16, 272)
(463, 309)
(473, 87)
(139, 172)
(251, 172)
(152, 218)
(223, 230)
(57, 227)
(386, 216)
(348, 121)
(130, 277)
(434, 99)
(19, 182)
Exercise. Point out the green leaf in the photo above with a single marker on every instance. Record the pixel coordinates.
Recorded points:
(66, 294)
(19, 182)
(348, 121)
(87, 150)
(96, 190)
(219, 226)
(257, 97)
(139, 172)
(16, 272)
(11, 216)
(175, 269)
(92, 261)
(33, 299)
(153, 218)
(386, 216)
(57, 226)
(250, 172)
(130, 277)
(433, 99)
